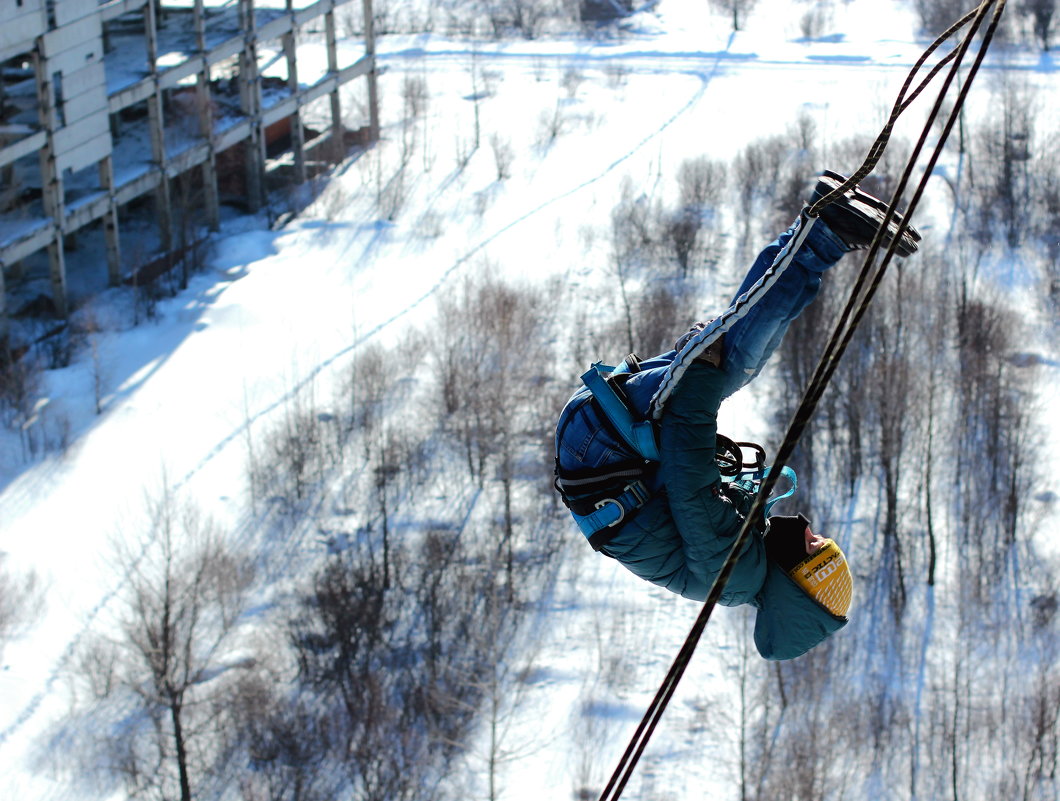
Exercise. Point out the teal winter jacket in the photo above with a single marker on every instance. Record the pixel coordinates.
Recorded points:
(680, 539)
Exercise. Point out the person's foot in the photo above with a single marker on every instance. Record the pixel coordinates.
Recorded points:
(856, 215)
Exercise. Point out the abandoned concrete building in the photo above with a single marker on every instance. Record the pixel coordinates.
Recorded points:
(106, 103)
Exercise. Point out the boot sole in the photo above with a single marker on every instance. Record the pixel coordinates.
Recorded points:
(837, 180)
(869, 209)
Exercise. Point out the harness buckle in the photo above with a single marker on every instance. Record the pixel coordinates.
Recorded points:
(621, 510)
(638, 491)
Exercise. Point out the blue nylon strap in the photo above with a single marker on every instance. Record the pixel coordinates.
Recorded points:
(640, 435)
(612, 511)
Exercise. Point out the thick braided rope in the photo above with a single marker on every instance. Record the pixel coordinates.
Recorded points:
(901, 103)
(825, 369)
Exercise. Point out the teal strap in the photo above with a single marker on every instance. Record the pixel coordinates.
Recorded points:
(752, 480)
(639, 434)
(610, 512)
(789, 474)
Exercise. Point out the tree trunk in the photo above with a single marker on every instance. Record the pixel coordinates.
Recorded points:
(181, 746)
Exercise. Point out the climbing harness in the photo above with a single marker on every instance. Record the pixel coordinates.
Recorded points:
(604, 424)
(608, 409)
(861, 295)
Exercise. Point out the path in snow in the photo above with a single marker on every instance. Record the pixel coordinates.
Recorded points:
(34, 703)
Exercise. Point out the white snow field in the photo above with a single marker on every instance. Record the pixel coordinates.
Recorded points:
(282, 309)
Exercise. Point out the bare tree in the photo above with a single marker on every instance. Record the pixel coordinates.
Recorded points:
(283, 738)
(795, 362)
(635, 238)
(415, 98)
(503, 155)
(738, 10)
(487, 335)
(20, 396)
(292, 459)
(21, 601)
(393, 468)
(755, 175)
(701, 183)
(656, 312)
(343, 635)
(1041, 699)
(993, 449)
(1043, 15)
(398, 665)
(815, 20)
(891, 400)
(174, 657)
(937, 15)
(1004, 156)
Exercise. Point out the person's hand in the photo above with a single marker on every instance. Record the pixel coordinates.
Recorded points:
(814, 542)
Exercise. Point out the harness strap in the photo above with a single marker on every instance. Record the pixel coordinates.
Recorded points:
(590, 481)
(602, 524)
(640, 435)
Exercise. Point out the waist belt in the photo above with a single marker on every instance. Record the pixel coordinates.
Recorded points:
(601, 524)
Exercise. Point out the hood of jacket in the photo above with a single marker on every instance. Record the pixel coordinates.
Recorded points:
(789, 622)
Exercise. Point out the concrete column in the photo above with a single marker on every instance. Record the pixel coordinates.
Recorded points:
(290, 42)
(8, 189)
(373, 89)
(3, 318)
(156, 122)
(205, 103)
(110, 223)
(250, 99)
(336, 145)
(51, 183)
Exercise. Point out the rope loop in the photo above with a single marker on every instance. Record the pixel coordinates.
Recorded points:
(901, 103)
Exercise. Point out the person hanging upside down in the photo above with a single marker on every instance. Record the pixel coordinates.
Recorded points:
(673, 521)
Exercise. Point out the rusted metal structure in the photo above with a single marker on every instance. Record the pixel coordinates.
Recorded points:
(103, 102)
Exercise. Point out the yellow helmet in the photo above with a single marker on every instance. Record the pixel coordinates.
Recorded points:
(825, 576)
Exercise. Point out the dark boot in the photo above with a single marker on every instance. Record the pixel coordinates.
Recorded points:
(856, 215)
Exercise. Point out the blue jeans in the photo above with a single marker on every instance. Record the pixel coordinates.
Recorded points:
(752, 339)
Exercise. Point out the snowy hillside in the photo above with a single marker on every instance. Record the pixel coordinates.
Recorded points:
(502, 165)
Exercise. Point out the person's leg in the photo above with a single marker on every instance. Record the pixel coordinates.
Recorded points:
(743, 337)
(751, 340)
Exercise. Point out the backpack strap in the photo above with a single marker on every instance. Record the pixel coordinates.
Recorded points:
(639, 434)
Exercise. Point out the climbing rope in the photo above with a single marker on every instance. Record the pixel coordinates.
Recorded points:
(861, 296)
(902, 102)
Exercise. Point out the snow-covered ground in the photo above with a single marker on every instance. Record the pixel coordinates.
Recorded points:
(279, 310)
